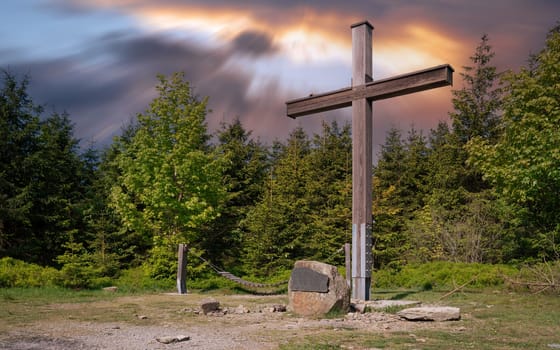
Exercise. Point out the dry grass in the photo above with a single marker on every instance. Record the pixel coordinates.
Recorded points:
(490, 320)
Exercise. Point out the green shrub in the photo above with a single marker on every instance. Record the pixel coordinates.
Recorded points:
(19, 274)
(210, 282)
(77, 270)
(443, 275)
(138, 279)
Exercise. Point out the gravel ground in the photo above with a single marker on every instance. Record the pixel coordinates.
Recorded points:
(256, 329)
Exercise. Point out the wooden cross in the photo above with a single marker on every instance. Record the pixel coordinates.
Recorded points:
(360, 95)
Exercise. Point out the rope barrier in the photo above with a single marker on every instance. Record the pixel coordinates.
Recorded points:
(239, 280)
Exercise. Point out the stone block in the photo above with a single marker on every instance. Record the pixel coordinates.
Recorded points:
(431, 313)
(315, 299)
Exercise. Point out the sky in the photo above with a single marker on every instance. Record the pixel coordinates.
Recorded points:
(98, 60)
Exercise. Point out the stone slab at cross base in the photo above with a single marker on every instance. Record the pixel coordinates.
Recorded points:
(362, 305)
(311, 302)
(431, 313)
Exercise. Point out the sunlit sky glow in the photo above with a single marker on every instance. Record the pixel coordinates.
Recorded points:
(99, 59)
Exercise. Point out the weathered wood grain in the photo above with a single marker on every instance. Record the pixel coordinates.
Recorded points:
(404, 84)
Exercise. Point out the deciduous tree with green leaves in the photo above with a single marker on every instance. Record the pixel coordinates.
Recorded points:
(524, 165)
(171, 181)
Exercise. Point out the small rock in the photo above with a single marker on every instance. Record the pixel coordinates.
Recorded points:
(112, 289)
(142, 317)
(209, 305)
(217, 313)
(175, 339)
(275, 308)
(241, 310)
(278, 308)
(431, 313)
(554, 346)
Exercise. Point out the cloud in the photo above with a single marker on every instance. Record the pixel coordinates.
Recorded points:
(251, 56)
(253, 43)
(114, 79)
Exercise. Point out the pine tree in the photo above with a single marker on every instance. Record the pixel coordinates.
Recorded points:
(19, 128)
(58, 185)
(458, 219)
(478, 104)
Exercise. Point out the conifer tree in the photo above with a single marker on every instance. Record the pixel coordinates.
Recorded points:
(278, 224)
(245, 165)
(458, 218)
(41, 183)
(399, 190)
(329, 193)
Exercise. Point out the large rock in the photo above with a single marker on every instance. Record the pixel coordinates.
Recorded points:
(431, 313)
(316, 288)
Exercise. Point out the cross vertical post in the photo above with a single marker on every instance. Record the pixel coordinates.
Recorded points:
(362, 73)
(360, 97)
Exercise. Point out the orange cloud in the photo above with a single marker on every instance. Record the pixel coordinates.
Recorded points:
(310, 37)
(302, 33)
(417, 46)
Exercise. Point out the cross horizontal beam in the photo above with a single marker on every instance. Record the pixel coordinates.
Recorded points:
(376, 90)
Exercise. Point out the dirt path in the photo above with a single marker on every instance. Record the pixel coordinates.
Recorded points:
(137, 322)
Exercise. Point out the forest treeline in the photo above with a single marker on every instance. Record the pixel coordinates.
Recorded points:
(483, 187)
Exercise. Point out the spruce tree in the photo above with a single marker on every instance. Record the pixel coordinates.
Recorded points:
(458, 219)
(329, 194)
(278, 225)
(245, 166)
(41, 177)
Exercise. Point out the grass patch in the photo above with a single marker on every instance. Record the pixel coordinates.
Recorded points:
(46, 295)
(443, 275)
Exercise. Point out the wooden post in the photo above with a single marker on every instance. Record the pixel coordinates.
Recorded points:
(348, 262)
(182, 269)
(362, 130)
